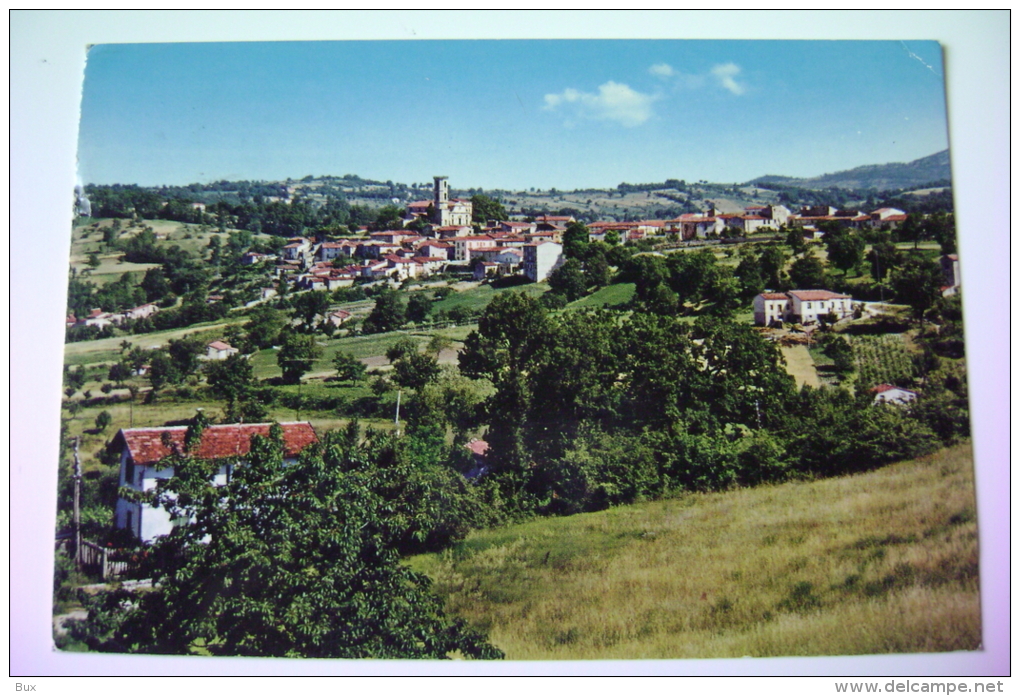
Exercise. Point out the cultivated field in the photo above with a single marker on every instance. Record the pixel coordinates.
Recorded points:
(873, 563)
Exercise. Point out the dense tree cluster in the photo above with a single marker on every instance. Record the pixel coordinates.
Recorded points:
(296, 561)
(590, 409)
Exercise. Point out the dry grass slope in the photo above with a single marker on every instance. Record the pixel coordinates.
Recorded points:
(874, 563)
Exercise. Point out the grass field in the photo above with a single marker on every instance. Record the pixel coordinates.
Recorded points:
(475, 299)
(800, 365)
(106, 350)
(611, 296)
(880, 562)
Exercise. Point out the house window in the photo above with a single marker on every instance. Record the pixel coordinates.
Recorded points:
(130, 521)
(129, 471)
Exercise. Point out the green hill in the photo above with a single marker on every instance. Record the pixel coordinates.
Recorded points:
(873, 563)
(895, 175)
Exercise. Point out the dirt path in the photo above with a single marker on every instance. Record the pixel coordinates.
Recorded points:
(800, 365)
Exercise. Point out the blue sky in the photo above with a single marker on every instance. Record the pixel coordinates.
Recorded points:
(507, 114)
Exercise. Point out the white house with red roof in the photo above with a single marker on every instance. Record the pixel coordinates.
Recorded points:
(693, 226)
(435, 249)
(218, 350)
(770, 308)
(463, 246)
(339, 317)
(99, 318)
(891, 394)
(800, 306)
(402, 268)
(142, 465)
(297, 249)
(141, 311)
(541, 259)
(328, 251)
(807, 305)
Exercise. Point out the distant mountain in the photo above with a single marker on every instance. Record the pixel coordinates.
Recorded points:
(895, 175)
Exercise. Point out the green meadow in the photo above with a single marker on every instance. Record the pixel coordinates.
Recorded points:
(880, 562)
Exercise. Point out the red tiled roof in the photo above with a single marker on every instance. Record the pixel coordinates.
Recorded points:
(774, 296)
(145, 445)
(878, 389)
(478, 447)
(220, 345)
(811, 295)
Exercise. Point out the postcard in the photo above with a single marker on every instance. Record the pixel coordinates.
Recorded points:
(520, 350)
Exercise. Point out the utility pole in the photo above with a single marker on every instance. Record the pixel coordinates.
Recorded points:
(77, 504)
(396, 419)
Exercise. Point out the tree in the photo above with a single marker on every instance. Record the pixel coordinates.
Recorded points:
(264, 326)
(94, 261)
(795, 240)
(942, 228)
(437, 344)
(418, 307)
(162, 371)
(103, 420)
(575, 240)
(484, 208)
(389, 217)
(807, 272)
(348, 367)
(838, 349)
(918, 283)
(846, 251)
(773, 261)
(296, 356)
(389, 313)
(911, 229)
(884, 257)
(414, 370)
(231, 379)
(284, 561)
(749, 274)
(569, 280)
(510, 332)
(185, 352)
(596, 265)
(309, 305)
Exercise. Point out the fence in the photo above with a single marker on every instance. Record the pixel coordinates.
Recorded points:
(98, 558)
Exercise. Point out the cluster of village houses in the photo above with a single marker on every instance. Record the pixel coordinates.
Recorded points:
(449, 243)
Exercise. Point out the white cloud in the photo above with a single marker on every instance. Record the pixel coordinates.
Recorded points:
(614, 102)
(725, 73)
(662, 70)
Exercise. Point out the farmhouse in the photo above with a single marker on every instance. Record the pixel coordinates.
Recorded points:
(218, 350)
(143, 449)
(770, 308)
(891, 394)
(800, 306)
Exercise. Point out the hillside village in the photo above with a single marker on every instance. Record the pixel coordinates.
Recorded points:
(688, 348)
